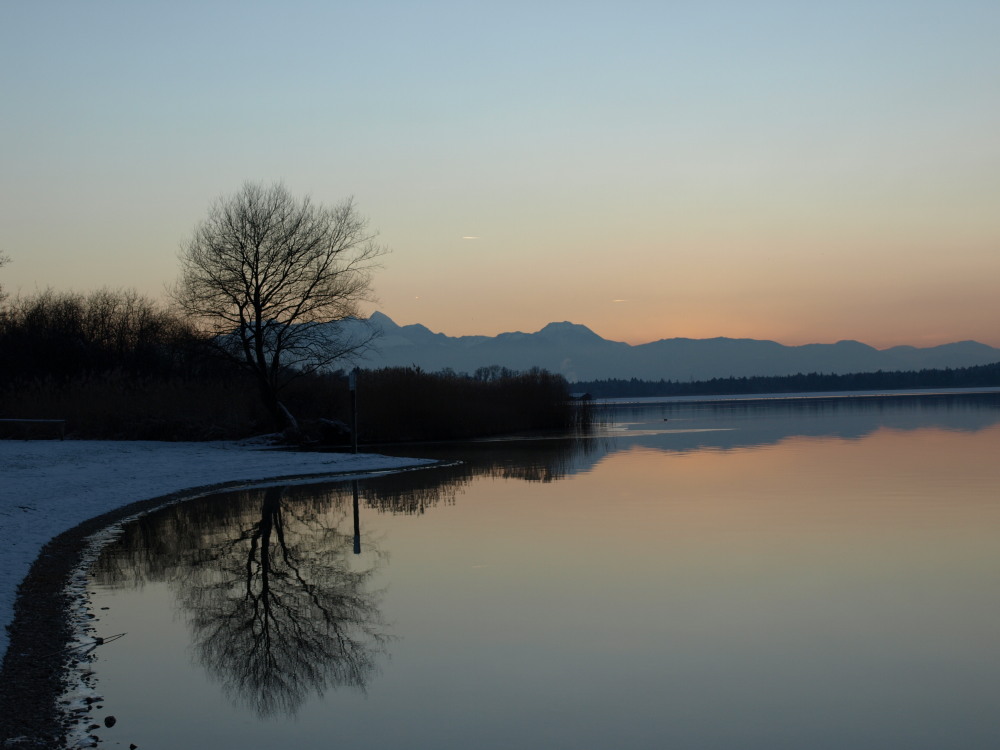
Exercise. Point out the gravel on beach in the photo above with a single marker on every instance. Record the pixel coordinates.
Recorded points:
(35, 668)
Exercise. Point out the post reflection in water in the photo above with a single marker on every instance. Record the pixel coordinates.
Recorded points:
(275, 607)
(357, 518)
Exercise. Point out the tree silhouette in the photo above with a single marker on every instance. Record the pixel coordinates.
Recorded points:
(265, 273)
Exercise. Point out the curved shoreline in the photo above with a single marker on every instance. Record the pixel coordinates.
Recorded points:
(41, 657)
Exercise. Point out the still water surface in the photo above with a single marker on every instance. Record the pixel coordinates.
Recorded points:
(768, 574)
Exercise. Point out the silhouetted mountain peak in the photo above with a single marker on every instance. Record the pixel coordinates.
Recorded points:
(569, 331)
(852, 344)
(381, 320)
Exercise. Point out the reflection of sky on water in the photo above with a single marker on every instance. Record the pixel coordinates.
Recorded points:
(811, 585)
(765, 421)
(686, 427)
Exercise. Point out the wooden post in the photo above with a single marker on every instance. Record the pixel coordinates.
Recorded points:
(353, 384)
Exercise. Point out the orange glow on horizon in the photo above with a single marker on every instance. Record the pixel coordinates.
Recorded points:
(644, 333)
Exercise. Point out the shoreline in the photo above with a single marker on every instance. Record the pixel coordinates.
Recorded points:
(55, 496)
(795, 396)
(42, 661)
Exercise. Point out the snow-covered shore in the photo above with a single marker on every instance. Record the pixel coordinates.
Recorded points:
(47, 487)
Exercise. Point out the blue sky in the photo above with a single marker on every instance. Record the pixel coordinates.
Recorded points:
(785, 170)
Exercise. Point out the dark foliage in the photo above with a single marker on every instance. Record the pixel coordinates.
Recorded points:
(116, 366)
(64, 336)
(405, 403)
(981, 376)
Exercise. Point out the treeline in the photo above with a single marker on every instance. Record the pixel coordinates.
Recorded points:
(116, 365)
(980, 376)
(65, 335)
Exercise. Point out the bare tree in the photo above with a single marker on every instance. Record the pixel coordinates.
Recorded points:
(4, 260)
(266, 272)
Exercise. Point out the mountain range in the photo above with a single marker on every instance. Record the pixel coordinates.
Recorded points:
(578, 353)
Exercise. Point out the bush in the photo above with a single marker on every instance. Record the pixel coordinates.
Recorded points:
(115, 365)
(63, 336)
(402, 404)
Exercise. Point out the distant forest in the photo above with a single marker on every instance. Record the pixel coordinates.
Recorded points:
(981, 376)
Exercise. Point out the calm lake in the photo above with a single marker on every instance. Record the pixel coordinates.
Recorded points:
(817, 573)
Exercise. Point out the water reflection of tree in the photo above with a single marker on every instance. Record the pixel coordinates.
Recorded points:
(279, 607)
(529, 460)
(283, 614)
(277, 604)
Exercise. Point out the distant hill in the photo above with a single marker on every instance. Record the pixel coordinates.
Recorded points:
(581, 355)
(979, 376)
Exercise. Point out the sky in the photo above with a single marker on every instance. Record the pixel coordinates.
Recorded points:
(796, 171)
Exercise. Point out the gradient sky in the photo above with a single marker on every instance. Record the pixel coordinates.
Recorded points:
(789, 170)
